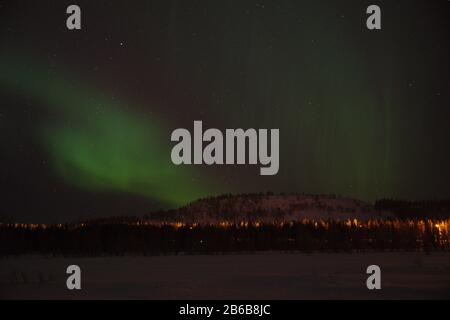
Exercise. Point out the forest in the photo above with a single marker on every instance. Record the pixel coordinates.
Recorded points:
(144, 238)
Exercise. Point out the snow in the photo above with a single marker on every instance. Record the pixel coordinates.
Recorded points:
(249, 276)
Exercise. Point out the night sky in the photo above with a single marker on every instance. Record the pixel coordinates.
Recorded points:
(86, 116)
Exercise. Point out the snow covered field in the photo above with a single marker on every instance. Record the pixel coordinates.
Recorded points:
(250, 276)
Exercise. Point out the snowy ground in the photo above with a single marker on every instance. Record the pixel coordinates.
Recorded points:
(252, 276)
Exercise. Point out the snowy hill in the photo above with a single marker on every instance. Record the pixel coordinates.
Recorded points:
(269, 208)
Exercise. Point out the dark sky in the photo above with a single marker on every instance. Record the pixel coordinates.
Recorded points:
(86, 116)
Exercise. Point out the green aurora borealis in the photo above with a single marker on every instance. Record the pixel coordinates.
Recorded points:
(110, 149)
(361, 114)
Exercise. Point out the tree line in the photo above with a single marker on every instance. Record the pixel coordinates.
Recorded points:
(149, 239)
(437, 209)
